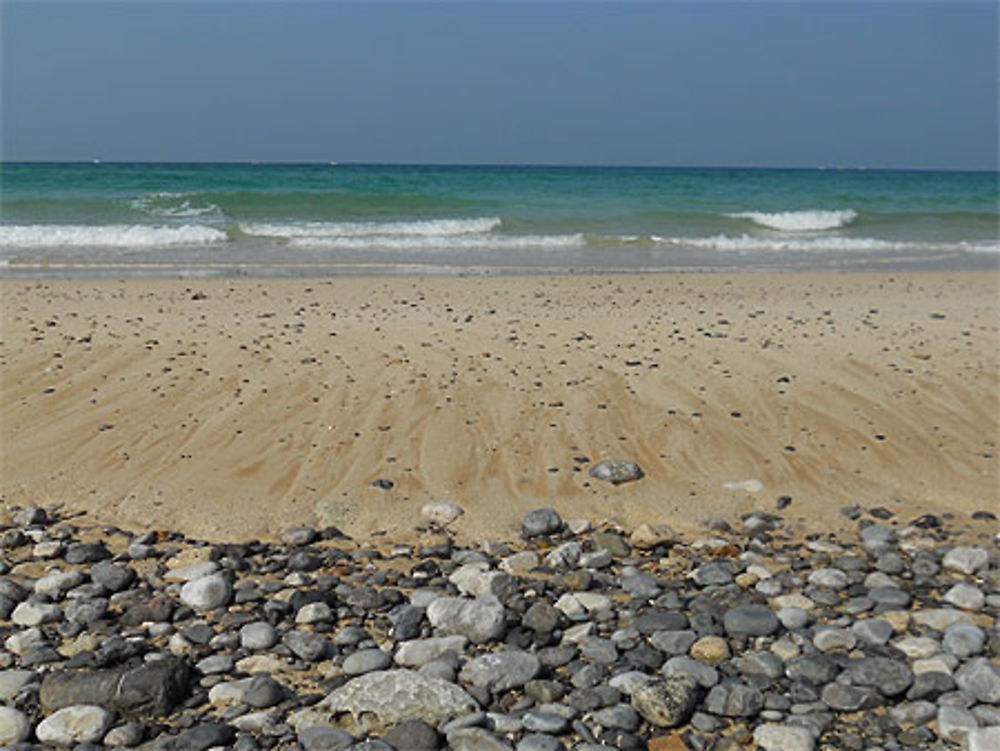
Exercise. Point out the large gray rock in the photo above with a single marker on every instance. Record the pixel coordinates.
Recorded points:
(479, 620)
(376, 701)
(666, 703)
(83, 723)
(153, 688)
(783, 738)
(500, 671)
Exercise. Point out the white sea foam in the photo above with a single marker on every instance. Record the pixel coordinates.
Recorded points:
(440, 242)
(173, 206)
(816, 220)
(748, 243)
(337, 230)
(23, 236)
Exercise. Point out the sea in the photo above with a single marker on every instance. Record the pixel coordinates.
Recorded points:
(98, 219)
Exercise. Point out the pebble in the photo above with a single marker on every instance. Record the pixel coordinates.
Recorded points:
(573, 636)
(69, 726)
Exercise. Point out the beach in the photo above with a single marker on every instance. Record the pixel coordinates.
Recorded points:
(230, 409)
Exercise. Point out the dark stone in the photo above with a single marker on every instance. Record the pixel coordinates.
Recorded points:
(890, 677)
(750, 620)
(930, 686)
(648, 623)
(86, 552)
(541, 617)
(668, 702)
(541, 521)
(383, 484)
(152, 688)
(111, 576)
(813, 669)
(413, 735)
(201, 737)
(156, 609)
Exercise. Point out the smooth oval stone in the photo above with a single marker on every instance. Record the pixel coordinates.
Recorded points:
(750, 620)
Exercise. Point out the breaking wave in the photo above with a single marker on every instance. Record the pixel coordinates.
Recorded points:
(815, 220)
(14, 236)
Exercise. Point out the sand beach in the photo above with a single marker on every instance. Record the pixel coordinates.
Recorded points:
(232, 409)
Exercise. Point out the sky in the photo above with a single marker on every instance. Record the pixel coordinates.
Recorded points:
(806, 84)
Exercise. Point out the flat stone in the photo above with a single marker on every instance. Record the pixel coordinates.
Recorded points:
(366, 661)
(844, 698)
(873, 631)
(750, 620)
(705, 675)
(377, 701)
(831, 578)
(12, 681)
(306, 645)
(258, 635)
(648, 536)
(413, 735)
(668, 702)
(32, 613)
(965, 596)
(322, 738)
(419, 652)
(476, 739)
(966, 560)
(501, 671)
(80, 723)
(775, 737)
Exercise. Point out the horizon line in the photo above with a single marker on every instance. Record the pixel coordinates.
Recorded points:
(491, 165)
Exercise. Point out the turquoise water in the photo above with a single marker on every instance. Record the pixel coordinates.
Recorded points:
(166, 219)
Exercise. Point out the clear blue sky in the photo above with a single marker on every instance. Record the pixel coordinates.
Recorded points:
(899, 84)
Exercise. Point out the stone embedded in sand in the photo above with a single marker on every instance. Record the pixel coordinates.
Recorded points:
(541, 521)
(647, 536)
(616, 472)
(441, 513)
(379, 700)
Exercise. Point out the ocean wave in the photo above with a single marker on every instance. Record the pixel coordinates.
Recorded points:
(748, 243)
(335, 230)
(172, 206)
(440, 242)
(105, 236)
(815, 220)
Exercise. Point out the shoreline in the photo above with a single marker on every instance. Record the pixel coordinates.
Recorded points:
(228, 407)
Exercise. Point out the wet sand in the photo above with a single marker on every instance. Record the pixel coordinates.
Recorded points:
(234, 409)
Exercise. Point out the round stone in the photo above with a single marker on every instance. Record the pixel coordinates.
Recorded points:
(365, 661)
(710, 649)
(668, 702)
(541, 521)
(207, 592)
(259, 635)
(14, 726)
(616, 472)
(80, 723)
(750, 620)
